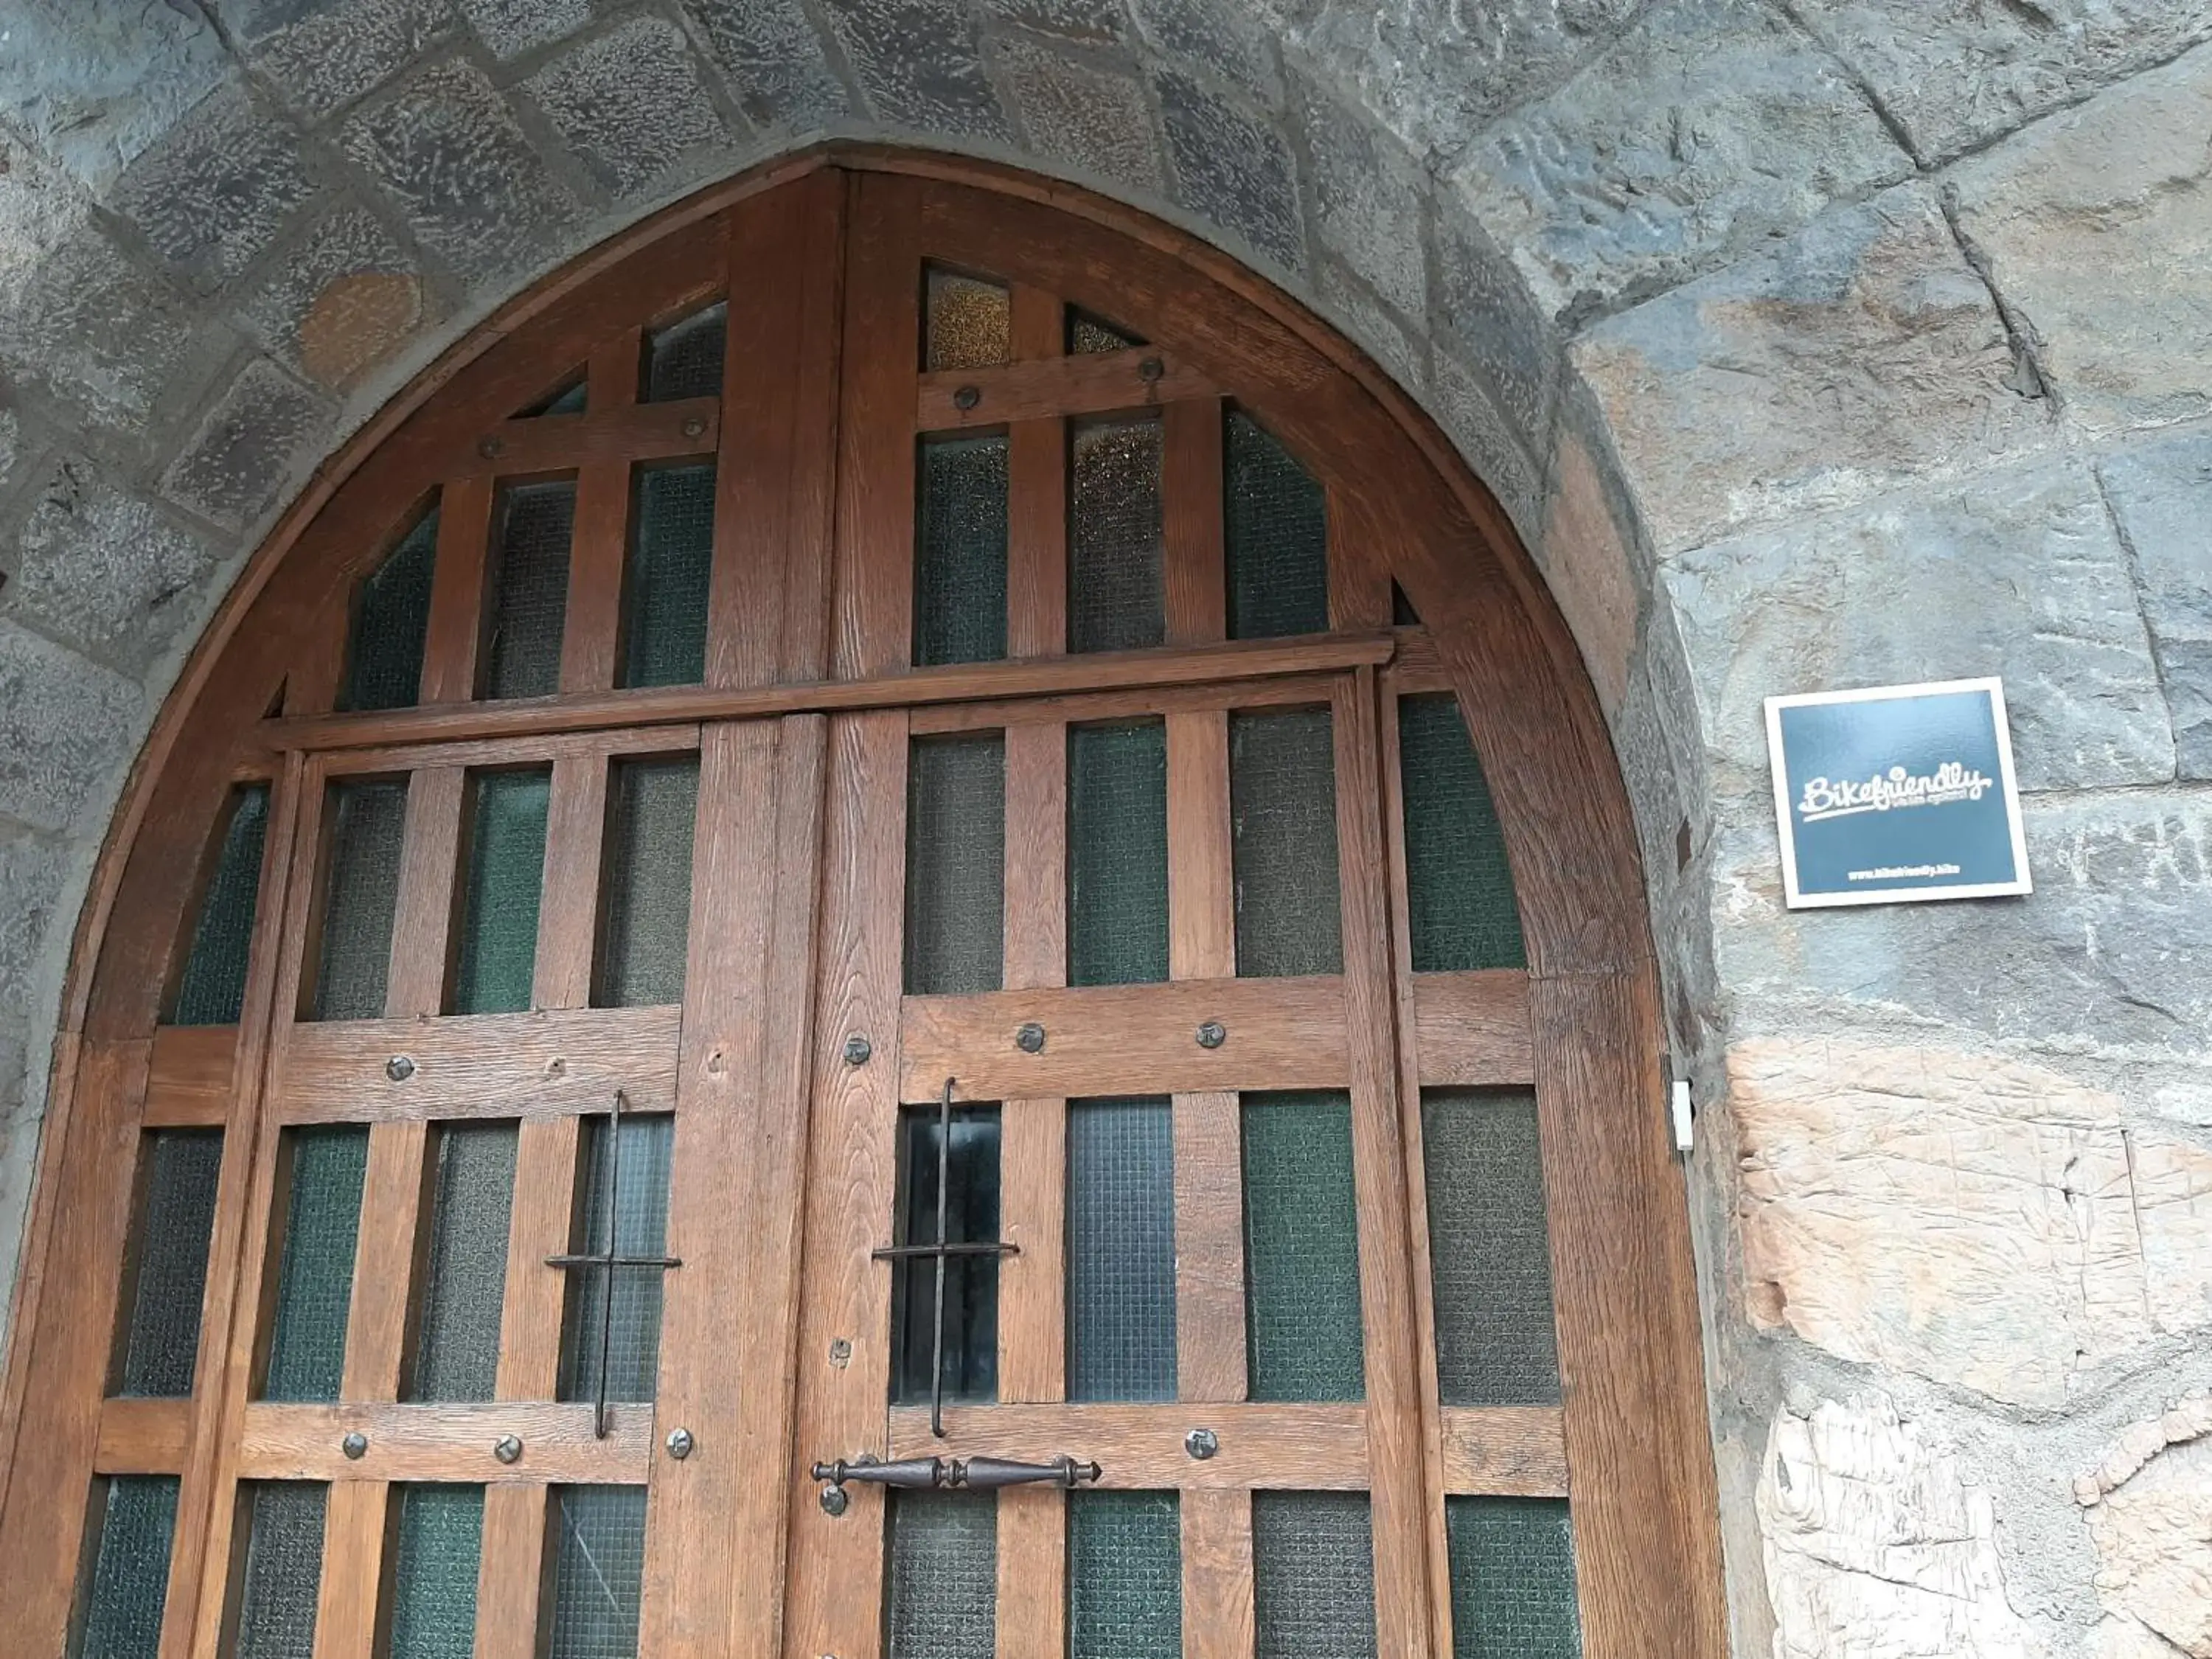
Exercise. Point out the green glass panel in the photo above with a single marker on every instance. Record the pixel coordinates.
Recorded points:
(1459, 888)
(645, 925)
(1275, 526)
(571, 399)
(1489, 1257)
(968, 322)
(671, 558)
(1117, 853)
(971, 1282)
(211, 990)
(631, 1202)
(1282, 794)
(960, 551)
(956, 859)
(465, 1274)
(529, 600)
(433, 1572)
(391, 617)
(1302, 1247)
(314, 1284)
(942, 1600)
(1086, 334)
(1121, 1250)
(599, 1571)
(1117, 596)
(169, 1259)
(368, 825)
(505, 871)
(684, 360)
(1124, 1575)
(283, 1570)
(1512, 1579)
(124, 1583)
(1313, 1576)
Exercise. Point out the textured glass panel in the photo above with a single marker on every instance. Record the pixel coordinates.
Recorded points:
(126, 1583)
(1302, 1247)
(315, 1284)
(636, 1208)
(684, 360)
(1117, 853)
(283, 1568)
(464, 1275)
(942, 1602)
(1115, 595)
(1087, 334)
(384, 659)
(956, 855)
(971, 1282)
(212, 987)
(529, 600)
(1121, 1250)
(1275, 520)
(1282, 791)
(1459, 888)
(960, 551)
(170, 1258)
(1489, 1256)
(969, 322)
(1313, 1575)
(506, 870)
(1512, 1579)
(570, 399)
(368, 822)
(672, 555)
(434, 1574)
(598, 1569)
(1124, 1575)
(645, 926)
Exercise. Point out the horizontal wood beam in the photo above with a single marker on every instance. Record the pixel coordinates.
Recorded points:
(1505, 1451)
(189, 1077)
(1472, 1029)
(446, 1443)
(1310, 1448)
(142, 1437)
(1090, 383)
(632, 432)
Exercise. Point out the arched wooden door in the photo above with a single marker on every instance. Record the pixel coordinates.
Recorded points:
(826, 971)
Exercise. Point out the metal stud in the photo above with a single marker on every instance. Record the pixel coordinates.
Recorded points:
(355, 1446)
(857, 1049)
(1151, 370)
(693, 427)
(680, 1443)
(967, 398)
(488, 447)
(1201, 1443)
(508, 1448)
(834, 1500)
(1212, 1034)
(399, 1068)
(1030, 1038)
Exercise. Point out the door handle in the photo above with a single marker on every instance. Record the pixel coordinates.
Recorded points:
(948, 1473)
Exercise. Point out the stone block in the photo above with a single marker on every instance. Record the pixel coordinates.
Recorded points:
(341, 302)
(2098, 225)
(1461, 402)
(1481, 298)
(1711, 128)
(93, 82)
(1367, 198)
(473, 187)
(1094, 120)
(773, 60)
(919, 64)
(1395, 344)
(2158, 492)
(34, 871)
(1860, 353)
(2153, 1576)
(511, 27)
(259, 435)
(629, 103)
(1234, 170)
(1227, 42)
(213, 195)
(1587, 559)
(320, 57)
(65, 724)
(1077, 20)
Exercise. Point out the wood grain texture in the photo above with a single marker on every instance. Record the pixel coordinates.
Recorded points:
(357, 1517)
(674, 430)
(188, 1082)
(395, 1206)
(540, 1224)
(873, 581)
(1359, 569)
(453, 641)
(1205, 697)
(518, 750)
(1036, 493)
(1472, 1029)
(513, 1587)
(1193, 565)
(144, 1436)
(1032, 1573)
(568, 902)
(1209, 1244)
(599, 557)
(423, 932)
(1202, 874)
(445, 1442)
(1508, 1451)
(1218, 1620)
(1090, 382)
(1314, 1448)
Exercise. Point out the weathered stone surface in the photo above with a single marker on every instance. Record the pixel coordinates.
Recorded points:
(1461, 403)
(1090, 119)
(64, 724)
(1587, 558)
(919, 64)
(1481, 299)
(215, 193)
(14, 450)
(32, 870)
(1876, 1546)
(93, 82)
(2099, 225)
(2155, 1570)
(1388, 337)
(345, 300)
(1233, 169)
(259, 432)
(510, 28)
(630, 103)
(320, 57)
(773, 60)
(1224, 40)
(2190, 1419)
(1367, 201)
(2159, 493)
(1078, 19)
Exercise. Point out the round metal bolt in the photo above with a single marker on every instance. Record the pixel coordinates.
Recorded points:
(1030, 1038)
(1201, 1443)
(680, 1443)
(967, 398)
(1151, 370)
(489, 448)
(1212, 1034)
(857, 1049)
(399, 1068)
(841, 1352)
(508, 1448)
(693, 427)
(355, 1446)
(834, 1500)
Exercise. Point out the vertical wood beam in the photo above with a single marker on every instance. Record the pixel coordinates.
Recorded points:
(357, 1518)
(1190, 490)
(1036, 500)
(598, 548)
(453, 640)
(422, 939)
(1359, 569)
(1218, 1621)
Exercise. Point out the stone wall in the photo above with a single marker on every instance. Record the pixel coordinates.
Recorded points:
(1809, 342)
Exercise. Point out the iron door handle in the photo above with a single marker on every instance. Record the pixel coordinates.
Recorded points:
(961, 1473)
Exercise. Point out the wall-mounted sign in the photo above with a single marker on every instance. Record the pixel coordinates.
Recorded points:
(1897, 795)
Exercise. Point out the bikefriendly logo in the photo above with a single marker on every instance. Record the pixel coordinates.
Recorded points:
(1950, 782)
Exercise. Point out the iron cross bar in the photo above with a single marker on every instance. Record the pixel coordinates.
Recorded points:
(607, 1260)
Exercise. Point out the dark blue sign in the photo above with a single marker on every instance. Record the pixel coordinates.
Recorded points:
(1901, 794)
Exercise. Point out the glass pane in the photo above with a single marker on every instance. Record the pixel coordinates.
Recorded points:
(1512, 1579)
(634, 1208)
(672, 554)
(1275, 520)
(1459, 888)
(1313, 1575)
(384, 659)
(598, 1569)
(971, 1282)
(315, 1284)
(960, 551)
(1302, 1247)
(1117, 853)
(506, 869)
(169, 1259)
(124, 1583)
(1282, 790)
(368, 822)
(942, 1602)
(646, 923)
(1403, 614)
(211, 990)
(433, 1572)
(1087, 334)
(1124, 1575)
(1490, 1259)
(570, 399)
(529, 597)
(969, 322)
(956, 854)
(1121, 1250)
(284, 1568)
(1116, 595)
(465, 1273)
(684, 360)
